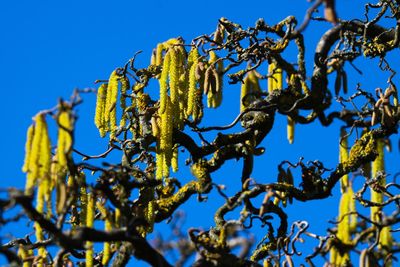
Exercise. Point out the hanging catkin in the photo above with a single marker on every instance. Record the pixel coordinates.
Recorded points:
(193, 61)
(111, 107)
(378, 167)
(40, 207)
(28, 147)
(107, 245)
(249, 89)
(38, 153)
(164, 83)
(174, 83)
(125, 86)
(90, 223)
(290, 129)
(64, 141)
(275, 80)
(347, 207)
(99, 118)
(166, 137)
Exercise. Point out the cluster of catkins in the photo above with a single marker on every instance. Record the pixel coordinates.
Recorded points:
(347, 216)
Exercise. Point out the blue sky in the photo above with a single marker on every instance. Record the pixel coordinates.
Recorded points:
(48, 48)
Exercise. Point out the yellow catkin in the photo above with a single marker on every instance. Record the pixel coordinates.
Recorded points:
(107, 228)
(40, 199)
(83, 199)
(159, 163)
(275, 79)
(184, 66)
(254, 81)
(198, 106)
(124, 88)
(352, 208)
(174, 161)
(33, 160)
(278, 78)
(162, 142)
(386, 240)
(90, 223)
(150, 215)
(378, 165)
(155, 127)
(343, 232)
(158, 56)
(71, 186)
(23, 254)
(174, 81)
(183, 85)
(39, 163)
(117, 224)
(117, 218)
(107, 246)
(290, 129)
(271, 80)
(110, 111)
(102, 209)
(344, 224)
(28, 147)
(40, 207)
(164, 83)
(166, 137)
(333, 255)
(63, 155)
(45, 155)
(42, 254)
(213, 57)
(171, 42)
(250, 87)
(64, 142)
(99, 119)
(347, 222)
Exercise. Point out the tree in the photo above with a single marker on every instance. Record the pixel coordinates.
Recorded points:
(75, 203)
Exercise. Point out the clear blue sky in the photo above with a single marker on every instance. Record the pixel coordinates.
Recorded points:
(48, 48)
